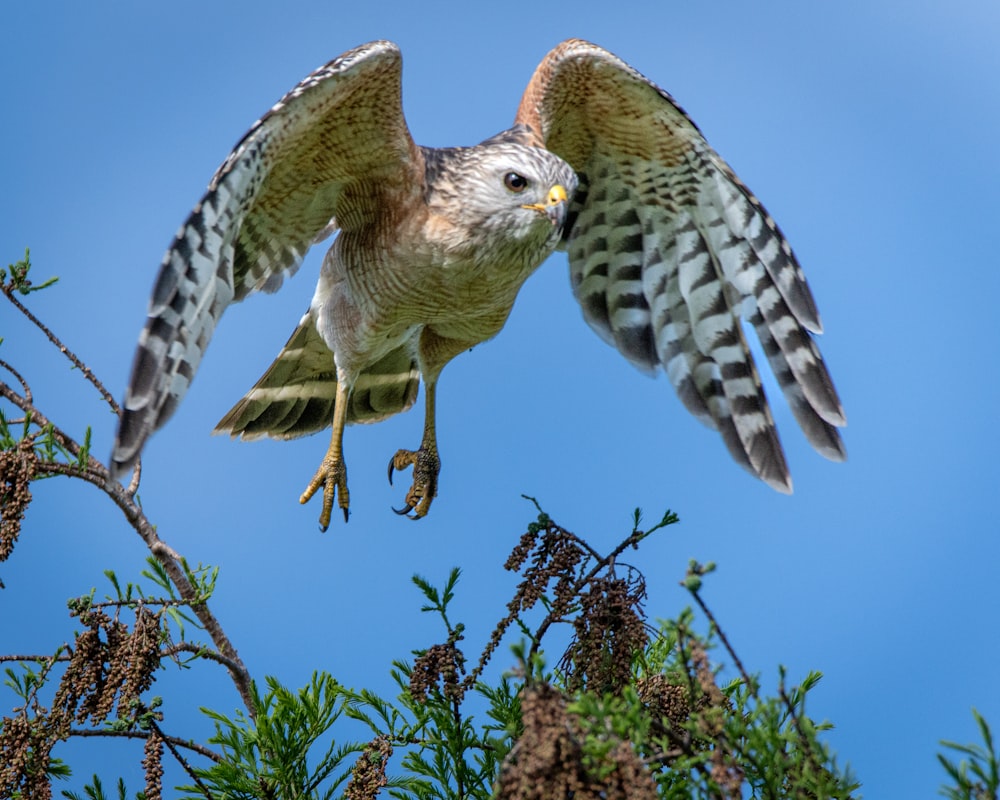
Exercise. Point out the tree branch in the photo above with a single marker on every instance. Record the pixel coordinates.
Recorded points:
(95, 472)
(8, 290)
(176, 741)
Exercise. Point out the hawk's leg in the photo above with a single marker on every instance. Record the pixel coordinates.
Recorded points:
(425, 462)
(332, 472)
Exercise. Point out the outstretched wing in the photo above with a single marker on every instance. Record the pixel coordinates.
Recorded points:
(336, 146)
(667, 250)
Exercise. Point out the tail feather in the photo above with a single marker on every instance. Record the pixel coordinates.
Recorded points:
(297, 393)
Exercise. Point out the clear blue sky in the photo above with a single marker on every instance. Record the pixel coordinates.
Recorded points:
(868, 129)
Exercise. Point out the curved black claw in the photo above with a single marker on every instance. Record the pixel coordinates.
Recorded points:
(325, 528)
(425, 464)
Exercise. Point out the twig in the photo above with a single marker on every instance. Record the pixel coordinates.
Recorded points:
(171, 563)
(172, 740)
(8, 290)
(40, 420)
(201, 652)
(803, 741)
(167, 652)
(797, 722)
(725, 642)
(35, 658)
(21, 380)
(172, 745)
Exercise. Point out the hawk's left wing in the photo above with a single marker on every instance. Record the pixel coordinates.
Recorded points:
(668, 249)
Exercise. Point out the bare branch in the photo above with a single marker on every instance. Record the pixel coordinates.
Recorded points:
(201, 652)
(176, 741)
(24, 384)
(39, 659)
(175, 648)
(8, 291)
(170, 560)
(722, 638)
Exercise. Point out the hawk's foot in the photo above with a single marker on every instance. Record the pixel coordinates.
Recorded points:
(426, 466)
(332, 476)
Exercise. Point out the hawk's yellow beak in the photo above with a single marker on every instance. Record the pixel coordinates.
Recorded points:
(557, 195)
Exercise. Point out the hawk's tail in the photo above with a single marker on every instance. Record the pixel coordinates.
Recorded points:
(296, 395)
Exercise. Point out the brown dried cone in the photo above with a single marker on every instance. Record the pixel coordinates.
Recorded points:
(444, 662)
(141, 658)
(555, 554)
(83, 682)
(609, 633)
(706, 678)
(548, 760)
(115, 653)
(671, 705)
(152, 764)
(107, 662)
(25, 746)
(17, 469)
(368, 775)
(664, 700)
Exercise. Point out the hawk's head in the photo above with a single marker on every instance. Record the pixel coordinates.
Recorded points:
(503, 195)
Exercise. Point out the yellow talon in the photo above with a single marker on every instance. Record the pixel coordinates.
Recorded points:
(332, 472)
(332, 476)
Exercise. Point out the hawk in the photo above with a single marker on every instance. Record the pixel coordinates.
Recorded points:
(668, 252)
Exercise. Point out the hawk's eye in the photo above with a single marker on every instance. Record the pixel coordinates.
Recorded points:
(516, 183)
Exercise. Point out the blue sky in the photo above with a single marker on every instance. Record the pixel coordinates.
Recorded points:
(868, 129)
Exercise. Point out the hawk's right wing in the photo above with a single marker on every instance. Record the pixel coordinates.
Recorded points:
(337, 145)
